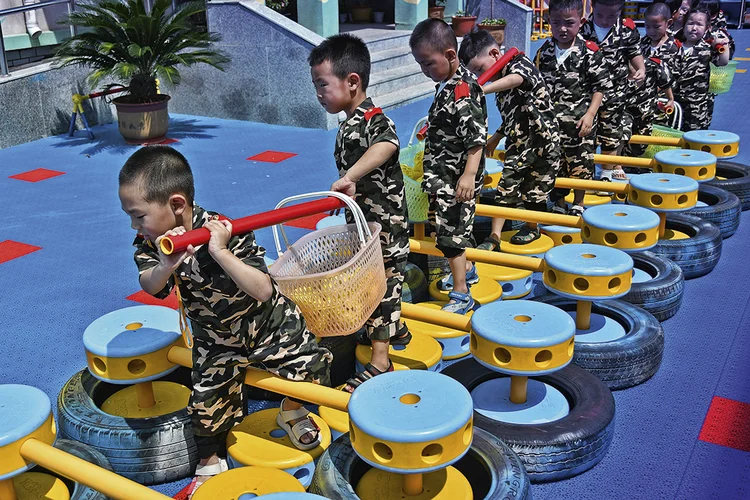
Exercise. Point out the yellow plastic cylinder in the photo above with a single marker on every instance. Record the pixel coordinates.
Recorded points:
(663, 201)
(131, 368)
(699, 173)
(442, 318)
(626, 161)
(657, 141)
(11, 457)
(528, 215)
(718, 150)
(624, 240)
(255, 481)
(83, 472)
(518, 388)
(474, 255)
(522, 360)
(145, 394)
(575, 285)
(7, 490)
(412, 484)
(583, 315)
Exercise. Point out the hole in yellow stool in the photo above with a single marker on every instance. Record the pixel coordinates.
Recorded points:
(679, 171)
(137, 366)
(571, 346)
(685, 154)
(633, 194)
(620, 214)
(656, 200)
(522, 318)
(432, 453)
(659, 167)
(473, 342)
(409, 399)
(702, 172)
(707, 149)
(663, 180)
(588, 256)
(586, 232)
(502, 355)
(581, 284)
(614, 284)
(382, 452)
(610, 238)
(133, 326)
(727, 148)
(640, 238)
(551, 277)
(682, 199)
(100, 365)
(543, 358)
(567, 238)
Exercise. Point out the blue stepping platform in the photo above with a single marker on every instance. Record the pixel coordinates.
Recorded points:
(589, 260)
(23, 409)
(712, 137)
(664, 184)
(686, 158)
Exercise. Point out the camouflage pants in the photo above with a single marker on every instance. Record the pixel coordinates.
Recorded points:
(453, 223)
(637, 119)
(385, 321)
(217, 401)
(577, 162)
(529, 172)
(609, 132)
(697, 111)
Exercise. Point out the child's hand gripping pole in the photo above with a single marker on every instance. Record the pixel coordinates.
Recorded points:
(720, 47)
(666, 109)
(174, 244)
(483, 78)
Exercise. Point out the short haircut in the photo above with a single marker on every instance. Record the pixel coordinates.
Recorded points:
(658, 10)
(621, 3)
(699, 10)
(347, 54)
(710, 6)
(566, 5)
(162, 170)
(434, 33)
(474, 44)
(674, 5)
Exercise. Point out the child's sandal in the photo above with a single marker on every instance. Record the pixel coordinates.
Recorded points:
(365, 375)
(305, 426)
(402, 337)
(207, 471)
(618, 174)
(525, 235)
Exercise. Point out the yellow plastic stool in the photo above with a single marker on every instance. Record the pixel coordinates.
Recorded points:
(422, 353)
(591, 199)
(487, 290)
(455, 343)
(37, 485)
(515, 283)
(254, 481)
(536, 248)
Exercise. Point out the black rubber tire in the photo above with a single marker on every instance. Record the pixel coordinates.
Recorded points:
(554, 450)
(736, 180)
(724, 208)
(415, 287)
(78, 491)
(148, 450)
(343, 365)
(493, 469)
(697, 255)
(624, 362)
(662, 295)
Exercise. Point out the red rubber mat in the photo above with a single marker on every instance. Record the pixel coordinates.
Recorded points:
(727, 424)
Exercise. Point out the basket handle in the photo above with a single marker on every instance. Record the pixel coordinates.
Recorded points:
(677, 118)
(363, 230)
(422, 121)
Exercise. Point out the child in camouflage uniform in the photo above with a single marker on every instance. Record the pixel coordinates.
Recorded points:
(641, 108)
(718, 24)
(577, 77)
(532, 136)
(618, 41)
(694, 72)
(366, 155)
(454, 152)
(237, 314)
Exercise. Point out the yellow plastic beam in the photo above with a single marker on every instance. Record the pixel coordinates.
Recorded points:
(474, 255)
(436, 317)
(657, 141)
(626, 161)
(306, 391)
(83, 472)
(610, 187)
(529, 215)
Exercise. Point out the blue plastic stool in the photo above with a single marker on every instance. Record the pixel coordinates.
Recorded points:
(330, 221)
(697, 165)
(627, 227)
(663, 192)
(521, 339)
(563, 235)
(721, 144)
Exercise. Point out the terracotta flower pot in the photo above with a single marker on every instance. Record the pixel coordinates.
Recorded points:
(462, 25)
(436, 12)
(139, 123)
(497, 31)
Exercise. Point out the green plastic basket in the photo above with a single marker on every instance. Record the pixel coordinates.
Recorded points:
(417, 203)
(411, 158)
(661, 131)
(722, 78)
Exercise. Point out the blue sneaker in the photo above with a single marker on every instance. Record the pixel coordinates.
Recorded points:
(446, 284)
(460, 303)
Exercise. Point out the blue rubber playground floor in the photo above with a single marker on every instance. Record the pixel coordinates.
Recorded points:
(66, 259)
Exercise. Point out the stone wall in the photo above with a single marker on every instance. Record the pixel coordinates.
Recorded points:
(517, 15)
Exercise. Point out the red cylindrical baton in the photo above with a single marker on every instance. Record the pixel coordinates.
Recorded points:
(667, 109)
(483, 78)
(107, 92)
(173, 244)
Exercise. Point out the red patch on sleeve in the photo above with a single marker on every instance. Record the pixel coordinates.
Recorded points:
(656, 60)
(628, 23)
(462, 90)
(372, 112)
(592, 45)
(678, 43)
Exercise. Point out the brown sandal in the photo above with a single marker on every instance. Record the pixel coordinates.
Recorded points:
(363, 376)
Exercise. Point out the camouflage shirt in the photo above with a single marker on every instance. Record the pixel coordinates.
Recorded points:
(527, 109)
(457, 123)
(618, 48)
(694, 72)
(572, 82)
(382, 190)
(212, 299)
(658, 74)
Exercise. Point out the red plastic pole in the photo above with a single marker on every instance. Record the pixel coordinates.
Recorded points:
(107, 92)
(483, 78)
(667, 109)
(175, 244)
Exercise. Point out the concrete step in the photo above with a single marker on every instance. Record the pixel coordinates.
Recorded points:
(379, 40)
(385, 82)
(383, 60)
(405, 96)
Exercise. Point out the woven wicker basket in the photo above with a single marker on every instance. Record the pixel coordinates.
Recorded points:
(722, 78)
(335, 275)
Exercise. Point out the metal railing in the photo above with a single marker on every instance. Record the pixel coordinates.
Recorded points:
(26, 8)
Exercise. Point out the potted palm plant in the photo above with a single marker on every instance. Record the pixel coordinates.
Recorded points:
(462, 23)
(121, 41)
(496, 27)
